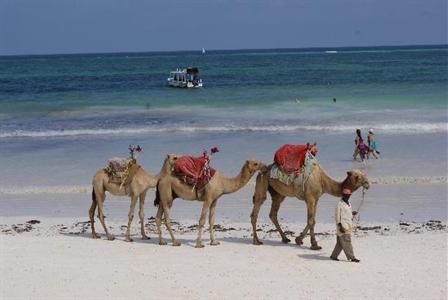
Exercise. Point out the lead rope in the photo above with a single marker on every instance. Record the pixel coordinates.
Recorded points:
(356, 217)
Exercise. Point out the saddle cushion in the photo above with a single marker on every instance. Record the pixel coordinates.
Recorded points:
(290, 158)
(194, 171)
(116, 164)
(121, 171)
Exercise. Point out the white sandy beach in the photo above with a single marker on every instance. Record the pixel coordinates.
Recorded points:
(57, 259)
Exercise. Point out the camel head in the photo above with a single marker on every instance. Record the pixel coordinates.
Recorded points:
(254, 165)
(171, 158)
(168, 163)
(356, 179)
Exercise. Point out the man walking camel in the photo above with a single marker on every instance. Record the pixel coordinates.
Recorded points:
(344, 228)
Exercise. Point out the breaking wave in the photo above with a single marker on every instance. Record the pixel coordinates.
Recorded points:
(384, 128)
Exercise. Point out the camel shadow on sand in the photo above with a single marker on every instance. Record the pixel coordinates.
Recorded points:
(122, 238)
(190, 242)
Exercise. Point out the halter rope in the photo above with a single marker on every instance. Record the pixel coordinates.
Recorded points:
(356, 217)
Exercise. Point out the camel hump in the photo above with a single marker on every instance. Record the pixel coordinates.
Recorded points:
(290, 158)
(298, 179)
(194, 171)
(121, 171)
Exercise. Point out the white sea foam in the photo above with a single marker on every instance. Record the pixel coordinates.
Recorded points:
(384, 128)
(394, 180)
(36, 190)
(86, 189)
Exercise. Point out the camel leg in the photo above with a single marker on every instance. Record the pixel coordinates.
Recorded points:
(277, 199)
(253, 217)
(312, 222)
(211, 222)
(100, 201)
(166, 212)
(259, 197)
(204, 211)
(130, 217)
(311, 208)
(299, 239)
(158, 224)
(141, 214)
(92, 216)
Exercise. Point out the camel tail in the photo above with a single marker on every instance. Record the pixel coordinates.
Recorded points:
(93, 195)
(157, 199)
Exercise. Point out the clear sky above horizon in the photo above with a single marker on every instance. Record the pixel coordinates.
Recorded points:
(79, 26)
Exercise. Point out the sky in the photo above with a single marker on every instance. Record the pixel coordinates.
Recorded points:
(91, 26)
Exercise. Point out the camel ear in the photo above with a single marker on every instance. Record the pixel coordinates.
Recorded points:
(349, 173)
(315, 144)
(171, 156)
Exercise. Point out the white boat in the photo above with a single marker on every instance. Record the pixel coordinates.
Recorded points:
(203, 50)
(185, 78)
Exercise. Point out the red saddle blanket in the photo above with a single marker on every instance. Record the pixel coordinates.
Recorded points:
(194, 171)
(290, 158)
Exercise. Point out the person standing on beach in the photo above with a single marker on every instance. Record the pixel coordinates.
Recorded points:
(344, 227)
(372, 144)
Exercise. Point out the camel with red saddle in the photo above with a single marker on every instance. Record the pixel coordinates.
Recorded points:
(178, 184)
(139, 183)
(310, 188)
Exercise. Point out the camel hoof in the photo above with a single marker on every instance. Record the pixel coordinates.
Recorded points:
(199, 245)
(110, 237)
(176, 243)
(285, 241)
(95, 236)
(145, 237)
(128, 239)
(299, 241)
(257, 242)
(315, 247)
(162, 243)
(214, 243)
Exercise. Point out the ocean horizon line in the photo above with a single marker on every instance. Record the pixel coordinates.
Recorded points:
(242, 50)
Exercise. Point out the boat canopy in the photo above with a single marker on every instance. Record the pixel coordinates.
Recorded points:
(192, 70)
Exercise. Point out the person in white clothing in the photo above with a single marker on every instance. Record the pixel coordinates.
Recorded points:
(344, 227)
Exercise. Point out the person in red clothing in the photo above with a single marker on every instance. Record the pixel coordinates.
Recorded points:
(360, 147)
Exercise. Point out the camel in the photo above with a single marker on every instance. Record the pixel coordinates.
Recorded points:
(170, 187)
(141, 182)
(317, 184)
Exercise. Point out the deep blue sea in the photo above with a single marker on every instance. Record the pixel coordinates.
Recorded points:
(63, 116)
(392, 89)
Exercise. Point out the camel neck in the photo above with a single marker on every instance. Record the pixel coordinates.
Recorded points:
(233, 184)
(166, 169)
(331, 186)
